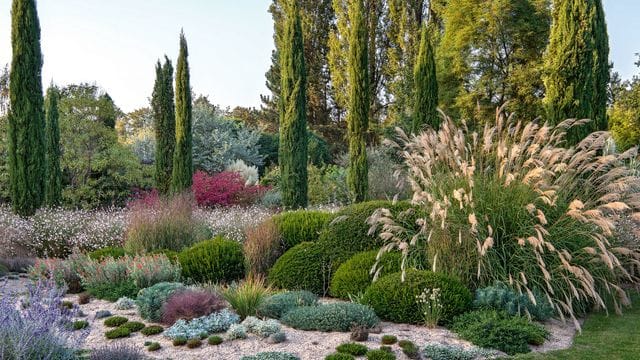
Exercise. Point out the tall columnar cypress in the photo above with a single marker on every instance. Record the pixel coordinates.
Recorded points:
(425, 107)
(359, 100)
(26, 130)
(293, 112)
(53, 194)
(577, 67)
(165, 124)
(182, 172)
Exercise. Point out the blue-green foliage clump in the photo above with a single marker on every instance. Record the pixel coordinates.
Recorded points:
(151, 299)
(271, 355)
(331, 317)
(277, 305)
(501, 297)
(450, 352)
(214, 323)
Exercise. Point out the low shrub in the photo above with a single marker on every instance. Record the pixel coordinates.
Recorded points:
(125, 303)
(352, 349)
(84, 298)
(63, 272)
(109, 251)
(214, 323)
(154, 346)
(151, 300)
(380, 355)
(67, 304)
(245, 297)
(115, 321)
(271, 355)
(117, 333)
(448, 352)
(17, 264)
(354, 276)
(226, 188)
(190, 304)
(410, 349)
(215, 340)
(395, 300)
(117, 351)
(277, 338)
(339, 356)
(301, 268)
(389, 339)
(194, 343)
(262, 328)
(499, 330)
(236, 332)
(359, 333)
(133, 326)
(330, 317)
(501, 297)
(180, 341)
(300, 226)
(80, 324)
(101, 314)
(262, 247)
(217, 260)
(152, 330)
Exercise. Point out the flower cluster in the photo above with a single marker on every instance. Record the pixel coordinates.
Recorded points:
(430, 306)
(231, 222)
(224, 189)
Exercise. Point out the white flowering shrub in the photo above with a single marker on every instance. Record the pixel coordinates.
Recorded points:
(232, 221)
(248, 173)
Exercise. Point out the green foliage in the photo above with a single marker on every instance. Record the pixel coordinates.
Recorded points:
(317, 149)
(152, 330)
(292, 154)
(53, 186)
(425, 107)
(133, 326)
(330, 317)
(271, 355)
(624, 114)
(26, 131)
(113, 291)
(354, 349)
(277, 305)
(165, 124)
(359, 101)
(389, 339)
(410, 349)
(339, 356)
(180, 341)
(498, 330)
(182, 170)
(115, 321)
(395, 300)
(501, 297)
(216, 260)
(328, 185)
(236, 332)
(80, 324)
(154, 346)
(109, 251)
(380, 355)
(446, 352)
(151, 299)
(354, 276)
(194, 343)
(301, 268)
(215, 340)
(301, 226)
(117, 333)
(245, 297)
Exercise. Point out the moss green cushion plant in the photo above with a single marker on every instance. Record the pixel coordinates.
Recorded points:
(115, 321)
(117, 333)
(301, 268)
(339, 356)
(354, 349)
(300, 226)
(133, 326)
(380, 355)
(354, 276)
(152, 330)
(217, 260)
(331, 317)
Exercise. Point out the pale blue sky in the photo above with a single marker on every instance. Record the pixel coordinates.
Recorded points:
(115, 44)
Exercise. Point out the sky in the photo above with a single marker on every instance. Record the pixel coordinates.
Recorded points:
(115, 44)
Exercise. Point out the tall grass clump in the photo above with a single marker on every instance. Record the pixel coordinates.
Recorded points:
(246, 297)
(514, 204)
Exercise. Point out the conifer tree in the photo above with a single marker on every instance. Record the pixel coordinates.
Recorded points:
(425, 108)
(182, 172)
(53, 195)
(165, 124)
(293, 112)
(359, 100)
(576, 66)
(26, 130)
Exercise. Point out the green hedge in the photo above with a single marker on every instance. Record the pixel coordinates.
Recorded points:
(216, 260)
(301, 226)
(395, 300)
(301, 268)
(353, 277)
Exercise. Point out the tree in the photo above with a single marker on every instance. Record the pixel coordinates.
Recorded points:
(577, 67)
(425, 108)
(164, 124)
(182, 172)
(108, 113)
(26, 145)
(624, 114)
(53, 195)
(293, 112)
(359, 94)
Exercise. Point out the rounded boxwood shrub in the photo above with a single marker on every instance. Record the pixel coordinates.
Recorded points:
(380, 355)
(300, 226)
(152, 330)
(115, 321)
(215, 340)
(110, 251)
(395, 300)
(117, 333)
(151, 299)
(353, 277)
(354, 349)
(301, 268)
(277, 305)
(133, 326)
(216, 260)
(331, 317)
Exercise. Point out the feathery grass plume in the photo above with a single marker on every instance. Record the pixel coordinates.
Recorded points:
(513, 204)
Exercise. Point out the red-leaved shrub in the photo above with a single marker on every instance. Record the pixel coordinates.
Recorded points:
(191, 304)
(224, 189)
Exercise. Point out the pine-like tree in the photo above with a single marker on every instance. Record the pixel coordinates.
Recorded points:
(26, 131)
(293, 112)
(577, 67)
(53, 195)
(359, 102)
(425, 107)
(165, 124)
(182, 172)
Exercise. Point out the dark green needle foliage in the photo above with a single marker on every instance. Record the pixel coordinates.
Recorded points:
(182, 171)
(162, 104)
(53, 194)
(425, 108)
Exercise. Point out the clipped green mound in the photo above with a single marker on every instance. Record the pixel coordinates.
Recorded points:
(301, 268)
(300, 226)
(217, 260)
(354, 276)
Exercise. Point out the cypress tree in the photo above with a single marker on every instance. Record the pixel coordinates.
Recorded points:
(359, 100)
(182, 171)
(425, 107)
(293, 112)
(53, 194)
(165, 124)
(26, 145)
(576, 66)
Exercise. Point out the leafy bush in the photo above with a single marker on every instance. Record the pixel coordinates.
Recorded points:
(262, 328)
(262, 247)
(133, 326)
(389, 339)
(354, 276)
(84, 298)
(380, 355)
(224, 189)
(301, 268)
(339, 356)
(277, 305)
(327, 185)
(448, 352)
(180, 341)
(63, 272)
(330, 317)
(300, 226)
(109, 251)
(271, 355)
(125, 303)
(501, 297)
(150, 300)
(101, 314)
(277, 338)
(245, 297)
(117, 351)
(410, 349)
(80, 324)
(154, 346)
(395, 300)
(117, 333)
(190, 304)
(217, 260)
(115, 321)
(152, 330)
(354, 349)
(499, 330)
(215, 340)
(236, 332)
(214, 323)
(194, 343)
